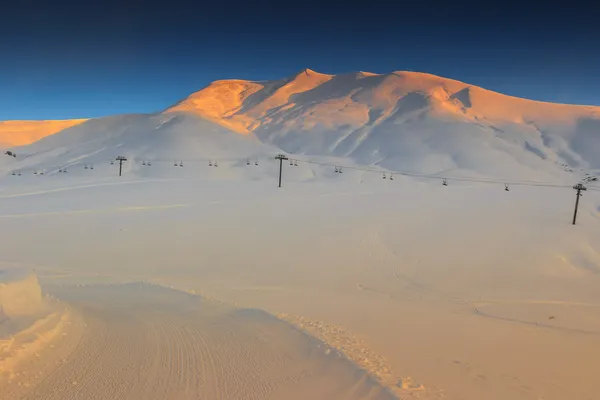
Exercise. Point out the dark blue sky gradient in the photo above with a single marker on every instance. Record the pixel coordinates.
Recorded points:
(68, 59)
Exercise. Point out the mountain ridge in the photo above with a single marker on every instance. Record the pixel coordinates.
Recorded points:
(400, 73)
(243, 117)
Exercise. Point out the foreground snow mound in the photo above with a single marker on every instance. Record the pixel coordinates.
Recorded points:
(20, 294)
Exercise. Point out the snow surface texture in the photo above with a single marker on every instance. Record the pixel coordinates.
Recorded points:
(400, 121)
(144, 341)
(441, 292)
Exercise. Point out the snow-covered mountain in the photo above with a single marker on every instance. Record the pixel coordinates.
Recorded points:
(402, 120)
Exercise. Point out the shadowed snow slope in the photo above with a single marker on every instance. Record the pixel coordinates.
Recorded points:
(154, 137)
(402, 120)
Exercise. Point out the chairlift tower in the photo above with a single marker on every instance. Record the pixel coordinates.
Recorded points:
(579, 187)
(281, 158)
(120, 159)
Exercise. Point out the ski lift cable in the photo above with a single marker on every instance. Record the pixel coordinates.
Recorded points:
(448, 178)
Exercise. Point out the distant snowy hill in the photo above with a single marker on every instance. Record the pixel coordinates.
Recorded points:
(19, 133)
(401, 121)
(157, 137)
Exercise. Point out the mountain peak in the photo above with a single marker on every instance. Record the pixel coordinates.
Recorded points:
(365, 73)
(311, 73)
(308, 71)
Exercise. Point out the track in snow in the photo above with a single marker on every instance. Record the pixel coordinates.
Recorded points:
(149, 342)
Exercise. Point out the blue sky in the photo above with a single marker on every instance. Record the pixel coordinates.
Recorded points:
(66, 59)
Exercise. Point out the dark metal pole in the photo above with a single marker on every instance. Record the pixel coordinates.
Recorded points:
(280, 170)
(280, 157)
(120, 159)
(579, 187)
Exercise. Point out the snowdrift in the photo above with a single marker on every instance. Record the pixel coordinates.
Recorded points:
(20, 293)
